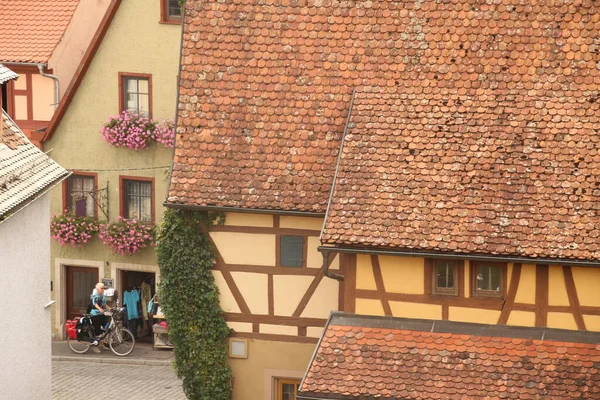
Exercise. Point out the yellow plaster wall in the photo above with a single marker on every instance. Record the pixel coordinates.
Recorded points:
(526, 289)
(364, 273)
(288, 291)
(254, 288)
(278, 329)
(324, 300)
(314, 259)
(403, 274)
(240, 326)
(246, 248)
(228, 303)
(312, 223)
(521, 318)
(561, 321)
(43, 97)
(312, 331)
(253, 377)
(467, 280)
(369, 307)
(557, 294)
(592, 322)
(20, 107)
(587, 282)
(416, 310)
(475, 315)
(244, 219)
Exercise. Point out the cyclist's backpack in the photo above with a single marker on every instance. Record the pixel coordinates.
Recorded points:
(82, 329)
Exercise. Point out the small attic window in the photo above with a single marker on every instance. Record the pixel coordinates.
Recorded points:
(170, 11)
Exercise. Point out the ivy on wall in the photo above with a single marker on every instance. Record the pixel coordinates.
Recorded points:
(190, 300)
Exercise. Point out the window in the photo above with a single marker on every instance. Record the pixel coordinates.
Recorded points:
(79, 195)
(291, 251)
(137, 199)
(488, 279)
(287, 389)
(445, 277)
(170, 11)
(136, 94)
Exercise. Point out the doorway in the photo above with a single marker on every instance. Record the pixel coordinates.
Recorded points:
(80, 284)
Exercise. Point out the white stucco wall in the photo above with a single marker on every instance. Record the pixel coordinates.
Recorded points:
(25, 342)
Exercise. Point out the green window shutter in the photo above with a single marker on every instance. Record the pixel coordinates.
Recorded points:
(291, 251)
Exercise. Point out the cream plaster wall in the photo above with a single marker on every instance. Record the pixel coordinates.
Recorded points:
(43, 97)
(254, 289)
(69, 52)
(20, 107)
(521, 318)
(369, 307)
(311, 223)
(288, 291)
(364, 273)
(246, 219)
(246, 248)
(226, 299)
(254, 377)
(416, 310)
(587, 282)
(526, 289)
(557, 288)
(135, 42)
(561, 320)
(475, 315)
(403, 274)
(314, 259)
(324, 300)
(278, 329)
(592, 322)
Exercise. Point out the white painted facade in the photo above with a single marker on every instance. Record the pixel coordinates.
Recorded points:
(25, 340)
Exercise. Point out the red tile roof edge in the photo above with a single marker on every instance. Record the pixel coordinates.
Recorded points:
(82, 69)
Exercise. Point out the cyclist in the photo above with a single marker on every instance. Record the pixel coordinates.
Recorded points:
(98, 308)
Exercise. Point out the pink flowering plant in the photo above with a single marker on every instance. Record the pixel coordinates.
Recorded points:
(127, 236)
(136, 132)
(70, 229)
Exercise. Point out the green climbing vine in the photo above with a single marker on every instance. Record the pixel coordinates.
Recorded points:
(190, 299)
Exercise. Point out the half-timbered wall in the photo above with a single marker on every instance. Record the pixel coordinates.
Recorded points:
(534, 295)
(263, 299)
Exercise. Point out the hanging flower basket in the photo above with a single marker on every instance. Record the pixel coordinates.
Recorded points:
(70, 229)
(127, 236)
(133, 131)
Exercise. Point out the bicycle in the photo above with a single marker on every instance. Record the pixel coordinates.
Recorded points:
(120, 340)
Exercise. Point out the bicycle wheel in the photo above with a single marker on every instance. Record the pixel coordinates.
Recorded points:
(77, 346)
(121, 342)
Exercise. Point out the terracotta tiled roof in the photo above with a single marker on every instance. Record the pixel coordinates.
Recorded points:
(475, 127)
(498, 172)
(395, 358)
(31, 29)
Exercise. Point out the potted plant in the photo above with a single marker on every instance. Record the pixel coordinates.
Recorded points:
(136, 132)
(70, 229)
(127, 236)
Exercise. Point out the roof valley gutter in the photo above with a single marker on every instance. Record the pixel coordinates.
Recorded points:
(458, 256)
(339, 159)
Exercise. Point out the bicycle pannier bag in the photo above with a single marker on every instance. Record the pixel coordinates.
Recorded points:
(71, 326)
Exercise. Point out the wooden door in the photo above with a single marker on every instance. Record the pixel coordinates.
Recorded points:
(81, 281)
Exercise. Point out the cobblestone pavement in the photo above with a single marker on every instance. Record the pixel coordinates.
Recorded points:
(75, 379)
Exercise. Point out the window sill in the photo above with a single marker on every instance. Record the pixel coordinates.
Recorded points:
(170, 22)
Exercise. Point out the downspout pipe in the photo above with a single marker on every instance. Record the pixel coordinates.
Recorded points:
(41, 67)
(56, 84)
